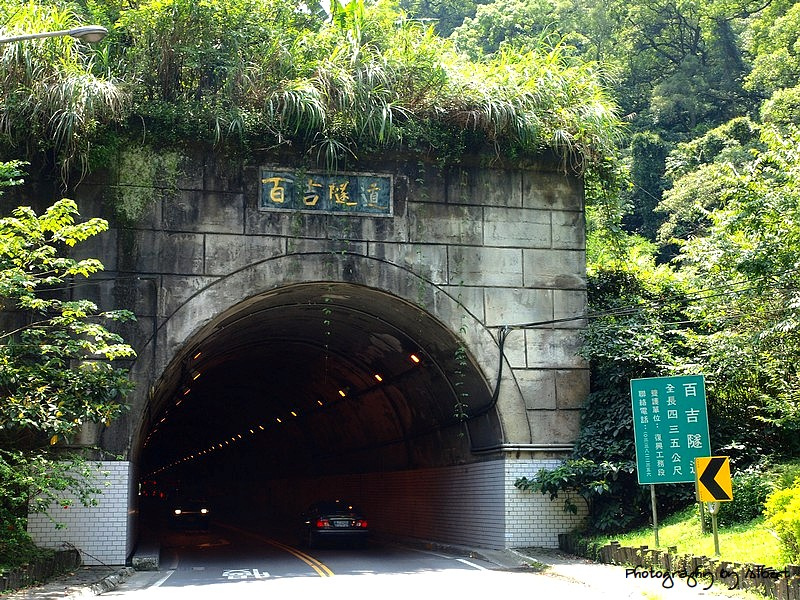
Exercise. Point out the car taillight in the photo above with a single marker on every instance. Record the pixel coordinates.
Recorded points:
(362, 523)
(323, 523)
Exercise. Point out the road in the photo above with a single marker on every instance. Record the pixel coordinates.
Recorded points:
(230, 563)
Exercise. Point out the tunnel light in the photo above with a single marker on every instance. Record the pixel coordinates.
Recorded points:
(239, 435)
(178, 402)
(197, 355)
(196, 375)
(261, 427)
(342, 394)
(253, 432)
(186, 390)
(294, 414)
(319, 402)
(278, 419)
(378, 377)
(414, 358)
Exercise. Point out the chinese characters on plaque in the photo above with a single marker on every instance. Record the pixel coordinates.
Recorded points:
(670, 426)
(351, 193)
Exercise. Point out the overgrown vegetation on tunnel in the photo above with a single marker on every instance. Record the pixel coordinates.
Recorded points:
(327, 87)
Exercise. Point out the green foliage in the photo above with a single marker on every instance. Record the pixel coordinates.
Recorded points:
(57, 369)
(498, 24)
(38, 480)
(648, 162)
(699, 172)
(593, 482)
(751, 343)
(445, 15)
(53, 96)
(55, 372)
(273, 74)
(773, 44)
(783, 516)
(751, 488)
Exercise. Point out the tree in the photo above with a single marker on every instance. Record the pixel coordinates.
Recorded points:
(751, 317)
(636, 330)
(445, 14)
(57, 369)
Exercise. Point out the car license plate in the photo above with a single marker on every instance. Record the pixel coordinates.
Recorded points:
(341, 523)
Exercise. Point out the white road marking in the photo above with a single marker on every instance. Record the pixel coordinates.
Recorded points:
(472, 564)
(163, 579)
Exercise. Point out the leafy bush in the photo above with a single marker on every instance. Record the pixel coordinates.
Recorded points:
(783, 516)
(750, 491)
(595, 483)
(786, 474)
(16, 546)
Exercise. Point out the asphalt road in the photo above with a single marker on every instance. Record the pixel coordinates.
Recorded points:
(230, 563)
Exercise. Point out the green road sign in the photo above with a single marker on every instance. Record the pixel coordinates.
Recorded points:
(670, 426)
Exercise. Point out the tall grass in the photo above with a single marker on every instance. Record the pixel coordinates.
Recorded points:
(751, 543)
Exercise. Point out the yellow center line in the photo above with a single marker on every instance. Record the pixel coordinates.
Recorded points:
(321, 569)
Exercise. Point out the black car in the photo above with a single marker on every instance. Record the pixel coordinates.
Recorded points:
(190, 513)
(334, 521)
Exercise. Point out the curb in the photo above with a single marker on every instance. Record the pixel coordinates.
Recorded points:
(110, 582)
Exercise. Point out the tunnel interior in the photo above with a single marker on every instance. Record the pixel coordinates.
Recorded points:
(311, 380)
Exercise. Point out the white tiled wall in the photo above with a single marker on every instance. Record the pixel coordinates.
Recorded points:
(532, 518)
(100, 532)
(475, 504)
(472, 505)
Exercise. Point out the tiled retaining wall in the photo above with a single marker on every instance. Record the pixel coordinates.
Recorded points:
(101, 533)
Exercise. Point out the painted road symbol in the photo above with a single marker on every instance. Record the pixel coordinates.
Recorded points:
(714, 479)
(244, 574)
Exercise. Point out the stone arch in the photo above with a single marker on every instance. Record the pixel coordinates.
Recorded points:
(196, 318)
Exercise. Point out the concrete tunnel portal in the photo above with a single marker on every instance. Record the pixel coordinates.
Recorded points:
(313, 381)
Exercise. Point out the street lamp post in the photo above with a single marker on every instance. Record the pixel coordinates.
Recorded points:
(87, 33)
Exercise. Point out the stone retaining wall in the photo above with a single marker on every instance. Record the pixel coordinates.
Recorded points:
(702, 571)
(40, 570)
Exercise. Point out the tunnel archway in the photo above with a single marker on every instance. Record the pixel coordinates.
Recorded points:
(319, 378)
(319, 383)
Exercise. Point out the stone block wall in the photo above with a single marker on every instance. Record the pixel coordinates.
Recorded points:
(507, 243)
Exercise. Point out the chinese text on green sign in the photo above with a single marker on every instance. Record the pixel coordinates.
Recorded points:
(670, 425)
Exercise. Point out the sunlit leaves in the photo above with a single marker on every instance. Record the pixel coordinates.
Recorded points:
(55, 352)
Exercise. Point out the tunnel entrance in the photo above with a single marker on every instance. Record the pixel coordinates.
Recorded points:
(308, 383)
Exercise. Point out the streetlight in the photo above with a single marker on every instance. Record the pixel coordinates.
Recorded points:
(87, 33)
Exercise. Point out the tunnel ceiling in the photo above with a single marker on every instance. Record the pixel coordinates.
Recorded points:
(318, 379)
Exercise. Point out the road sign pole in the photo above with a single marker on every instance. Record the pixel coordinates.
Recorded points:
(655, 511)
(702, 517)
(713, 508)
